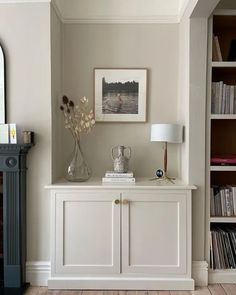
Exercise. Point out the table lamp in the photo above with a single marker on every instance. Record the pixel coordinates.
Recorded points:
(166, 133)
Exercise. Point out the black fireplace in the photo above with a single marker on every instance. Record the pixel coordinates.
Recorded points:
(1, 229)
(13, 214)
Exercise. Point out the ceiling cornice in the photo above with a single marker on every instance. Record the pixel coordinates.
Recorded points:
(117, 19)
(170, 19)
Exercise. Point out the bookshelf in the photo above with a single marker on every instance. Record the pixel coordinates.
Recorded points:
(221, 140)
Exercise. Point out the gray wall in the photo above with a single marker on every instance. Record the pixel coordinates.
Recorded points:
(155, 47)
(56, 87)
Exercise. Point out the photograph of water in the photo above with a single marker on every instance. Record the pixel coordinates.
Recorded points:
(119, 97)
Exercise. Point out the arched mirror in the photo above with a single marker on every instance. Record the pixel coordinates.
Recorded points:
(2, 87)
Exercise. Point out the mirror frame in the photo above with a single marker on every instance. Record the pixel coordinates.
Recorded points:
(3, 120)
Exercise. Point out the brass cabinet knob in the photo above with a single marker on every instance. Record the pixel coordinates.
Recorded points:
(117, 201)
(125, 202)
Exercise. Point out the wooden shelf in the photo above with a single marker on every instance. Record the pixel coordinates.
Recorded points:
(224, 64)
(223, 168)
(223, 219)
(223, 116)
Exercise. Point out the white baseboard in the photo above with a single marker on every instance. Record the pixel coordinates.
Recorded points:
(222, 276)
(38, 273)
(200, 273)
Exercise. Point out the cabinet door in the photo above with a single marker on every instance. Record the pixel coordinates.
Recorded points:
(154, 232)
(87, 233)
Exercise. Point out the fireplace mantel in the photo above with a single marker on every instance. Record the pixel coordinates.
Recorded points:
(13, 166)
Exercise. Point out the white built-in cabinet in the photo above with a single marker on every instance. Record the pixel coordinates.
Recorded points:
(121, 236)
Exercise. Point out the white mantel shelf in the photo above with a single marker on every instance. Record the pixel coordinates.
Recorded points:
(141, 183)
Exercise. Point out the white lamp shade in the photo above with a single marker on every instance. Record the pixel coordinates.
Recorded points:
(172, 133)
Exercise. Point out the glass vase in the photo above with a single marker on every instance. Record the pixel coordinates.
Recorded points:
(78, 169)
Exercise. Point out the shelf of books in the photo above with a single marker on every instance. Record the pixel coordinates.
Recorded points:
(222, 150)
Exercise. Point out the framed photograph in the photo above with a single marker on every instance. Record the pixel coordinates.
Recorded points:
(120, 95)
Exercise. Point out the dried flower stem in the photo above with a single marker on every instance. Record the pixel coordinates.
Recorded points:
(78, 118)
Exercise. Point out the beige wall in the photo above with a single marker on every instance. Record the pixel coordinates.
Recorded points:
(150, 46)
(25, 35)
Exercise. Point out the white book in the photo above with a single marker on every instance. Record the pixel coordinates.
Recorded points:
(223, 100)
(228, 202)
(116, 174)
(213, 98)
(12, 133)
(227, 99)
(218, 51)
(4, 133)
(233, 188)
(220, 97)
(231, 108)
(118, 180)
(212, 203)
(223, 202)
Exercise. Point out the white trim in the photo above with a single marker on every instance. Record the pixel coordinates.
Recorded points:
(57, 10)
(106, 283)
(225, 12)
(155, 19)
(200, 273)
(118, 19)
(38, 272)
(227, 276)
(23, 1)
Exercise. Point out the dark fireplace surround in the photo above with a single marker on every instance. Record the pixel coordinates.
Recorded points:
(13, 167)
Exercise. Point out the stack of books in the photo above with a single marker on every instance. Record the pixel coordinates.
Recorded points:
(223, 200)
(115, 177)
(223, 99)
(223, 247)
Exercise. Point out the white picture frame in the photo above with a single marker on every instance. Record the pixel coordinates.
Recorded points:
(120, 94)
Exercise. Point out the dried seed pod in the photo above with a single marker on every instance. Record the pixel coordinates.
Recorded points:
(65, 99)
(71, 103)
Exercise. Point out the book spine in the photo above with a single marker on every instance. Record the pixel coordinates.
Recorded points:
(231, 99)
(213, 98)
(119, 175)
(217, 44)
(228, 202)
(118, 180)
(223, 202)
(234, 198)
(212, 203)
(220, 97)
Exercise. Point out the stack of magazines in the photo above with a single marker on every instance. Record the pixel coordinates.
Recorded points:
(115, 177)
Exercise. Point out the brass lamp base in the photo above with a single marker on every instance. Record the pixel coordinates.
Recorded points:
(161, 176)
(164, 178)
